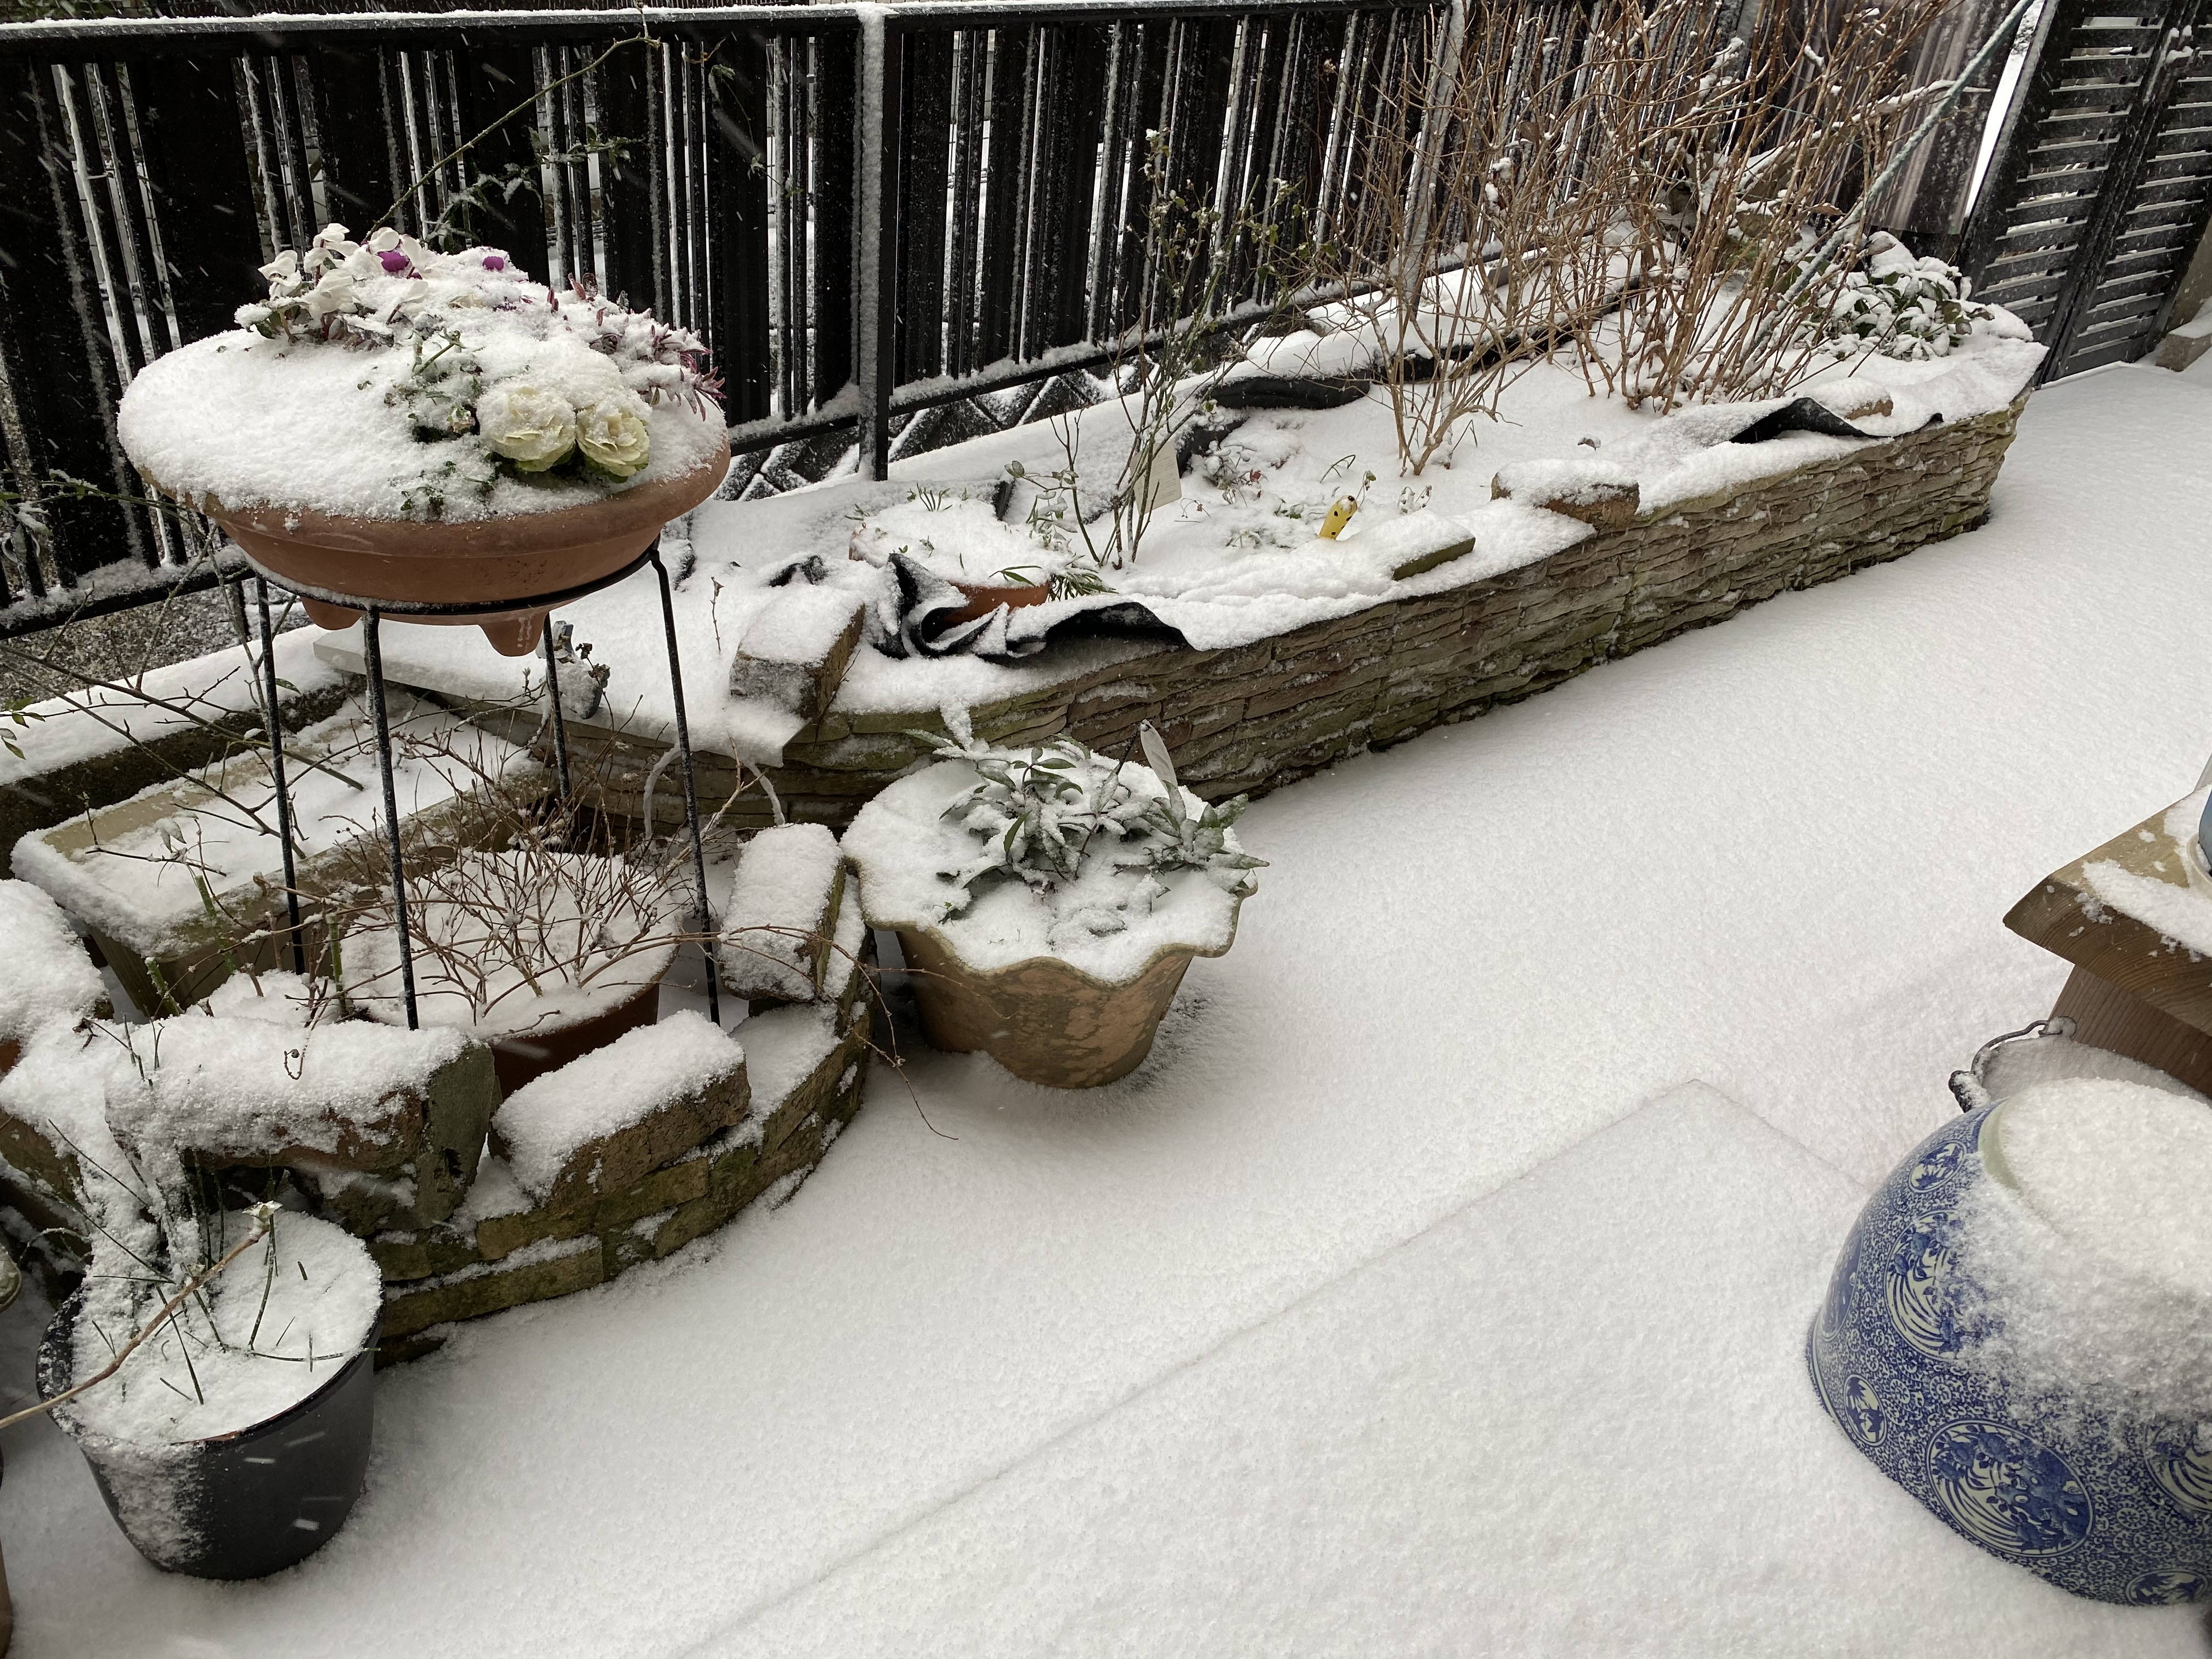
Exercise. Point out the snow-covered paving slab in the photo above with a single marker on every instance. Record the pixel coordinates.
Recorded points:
(1571, 1418)
(1774, 855)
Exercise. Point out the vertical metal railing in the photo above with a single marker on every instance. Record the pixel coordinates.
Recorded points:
(865, 213)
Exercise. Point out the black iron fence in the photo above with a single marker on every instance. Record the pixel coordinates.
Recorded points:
(864, 215)
(866, 211)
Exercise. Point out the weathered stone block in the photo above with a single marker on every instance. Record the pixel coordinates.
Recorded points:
(795, 651)
(604, 1121)
(870, 751)
(384, 1126)
(785, 898)
(1588, 490)
(557, 1268)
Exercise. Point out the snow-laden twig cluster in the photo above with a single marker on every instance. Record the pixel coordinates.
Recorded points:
(1667, 193)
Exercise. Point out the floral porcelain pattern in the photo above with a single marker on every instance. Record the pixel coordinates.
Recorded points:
(2121, 1513)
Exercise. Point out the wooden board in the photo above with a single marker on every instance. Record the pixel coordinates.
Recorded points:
(2106, 1017)
(2068, 914)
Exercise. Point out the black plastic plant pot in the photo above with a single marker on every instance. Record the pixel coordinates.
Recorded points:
(238, 1506)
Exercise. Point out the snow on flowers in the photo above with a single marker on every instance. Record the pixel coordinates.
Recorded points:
(518, 378)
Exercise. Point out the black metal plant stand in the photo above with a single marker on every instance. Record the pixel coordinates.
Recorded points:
(373, 613)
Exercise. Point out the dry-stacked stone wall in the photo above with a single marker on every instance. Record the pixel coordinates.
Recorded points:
(491, 1257)
(498, 1249)
(1253, 718)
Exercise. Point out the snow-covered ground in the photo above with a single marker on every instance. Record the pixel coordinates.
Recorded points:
(1437, 1288)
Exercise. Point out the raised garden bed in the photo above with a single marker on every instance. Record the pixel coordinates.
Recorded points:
(1250, 718)
(616, 1157)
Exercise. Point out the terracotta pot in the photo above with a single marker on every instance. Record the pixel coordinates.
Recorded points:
(1042, 1019)
(984, 597)
(522, 1056)
(519, 1059)
(466, 561)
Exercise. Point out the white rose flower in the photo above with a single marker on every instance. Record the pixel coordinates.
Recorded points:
(532, 426)
(614, 438)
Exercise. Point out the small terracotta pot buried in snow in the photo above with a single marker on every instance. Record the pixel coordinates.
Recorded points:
(1044, 1020)
(984, 597)
(242, 1504)
(519, 1057)
(466, 561)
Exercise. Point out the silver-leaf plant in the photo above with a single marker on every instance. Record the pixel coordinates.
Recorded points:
(1041, 815)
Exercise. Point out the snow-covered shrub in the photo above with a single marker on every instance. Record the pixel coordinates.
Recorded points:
(523, 919)
(1902, 306)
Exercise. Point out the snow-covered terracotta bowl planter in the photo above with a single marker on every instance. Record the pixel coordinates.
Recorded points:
(542, 955)
(398, 425)
(1048, 901)
(233, 1442)
(2019, 1331)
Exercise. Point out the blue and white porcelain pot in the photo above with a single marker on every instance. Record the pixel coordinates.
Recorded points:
(2119, 1508)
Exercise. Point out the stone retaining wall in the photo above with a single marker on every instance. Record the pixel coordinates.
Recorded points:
(464, 1269)
(1252, 718)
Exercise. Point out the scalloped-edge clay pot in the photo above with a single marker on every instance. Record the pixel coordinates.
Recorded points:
(1044, 1020)
(466, 561)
